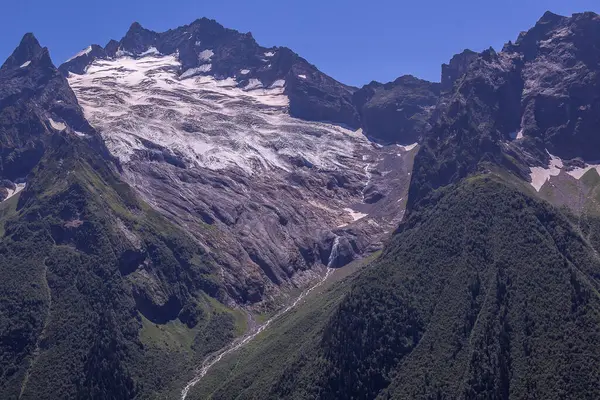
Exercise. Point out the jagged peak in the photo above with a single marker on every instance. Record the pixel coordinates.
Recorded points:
(551, 18)
(28, 51)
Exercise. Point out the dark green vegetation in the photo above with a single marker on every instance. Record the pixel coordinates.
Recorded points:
(489, 293)
(95, 285)
(102, 297)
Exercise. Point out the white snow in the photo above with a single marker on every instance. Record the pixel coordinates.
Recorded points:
(11, 193)
(302, 76)
(198, 43)
(211, 123)
(356, 215)
(150, 51)
(278, 84)
(253, 84)
(195, 71)
(540, 175)
(83, 52)
(516, 135)
(206, 55)
(59, 126)
(520, 134)
(245, 71)
(577, 173)
(269, 54)
(26, 64)
(408, 147)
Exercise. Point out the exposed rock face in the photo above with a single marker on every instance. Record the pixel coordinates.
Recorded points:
(399, 111)
(206, 48)
(218, 147)
(35, 100)
(537, 95)
(456, 68)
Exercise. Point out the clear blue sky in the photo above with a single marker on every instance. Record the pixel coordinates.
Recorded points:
(355, 41)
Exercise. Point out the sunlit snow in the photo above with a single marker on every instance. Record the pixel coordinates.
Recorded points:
(540, 175)
(59, 126)
(83, 52)
(206, 55)
(11, 193)
(208, 122)
(26, 64)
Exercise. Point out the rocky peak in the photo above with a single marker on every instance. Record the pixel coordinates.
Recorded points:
(538, 95)
(28, 51)
(457, 67)
(138, 39)
(398, 111)
(36, 102)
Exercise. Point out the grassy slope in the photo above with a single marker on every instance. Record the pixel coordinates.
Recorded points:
(71, 289)
(255, 368)
(487, 293)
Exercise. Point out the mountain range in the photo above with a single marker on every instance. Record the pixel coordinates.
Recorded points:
(188, 214)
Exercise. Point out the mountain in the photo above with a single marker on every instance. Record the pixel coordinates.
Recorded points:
(486, 289)
(190, 207)
(164, 193)
(89, 271)
(235, 142)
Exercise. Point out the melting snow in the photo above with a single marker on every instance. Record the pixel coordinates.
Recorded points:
(516, 135)
(408, 147)
(59, 126)
(540, 175)
(278, 84)
(26, 64)
(210, 123)
(83, 52)
(151, 50)
(577, 173)
(206, 55)
(253, 84)
(195, 71)
(11, 193)
(356, 215)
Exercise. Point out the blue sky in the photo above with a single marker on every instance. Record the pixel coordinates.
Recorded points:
(353, 41)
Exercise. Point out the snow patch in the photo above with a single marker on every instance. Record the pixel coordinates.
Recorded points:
(540, 175)
(269, 54)
(302, 76)
(245, 71)
(25, 64)
(577, 173)
(516, 135)
(356, 215)
(195, 71)
(11, 193)
(253, 84)
(278, 84)
(150, 51)
(408, 147)
(206, 55)
(59, 126)
(83, 52)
